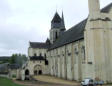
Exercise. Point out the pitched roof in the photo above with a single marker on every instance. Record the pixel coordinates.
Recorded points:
(39, 45)
(4, 68)
(76, 32)
(56, 18)
(107, 8)
(14, 66)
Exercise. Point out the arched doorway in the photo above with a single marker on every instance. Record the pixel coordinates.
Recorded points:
(35, 72)
(40, 72)
(26, 74)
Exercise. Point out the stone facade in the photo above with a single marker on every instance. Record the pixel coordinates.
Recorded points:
(98, 42)
(67, 61)
(37, 62)
(34, 68)
(37, 51)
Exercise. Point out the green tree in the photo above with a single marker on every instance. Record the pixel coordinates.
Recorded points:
(13, 59)
(19, 59)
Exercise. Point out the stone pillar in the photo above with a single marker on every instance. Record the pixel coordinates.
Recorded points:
(94, 8)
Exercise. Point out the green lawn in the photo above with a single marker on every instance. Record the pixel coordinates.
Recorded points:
(7, 82)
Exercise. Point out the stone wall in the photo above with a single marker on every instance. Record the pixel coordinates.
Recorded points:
(66, 61)
(37, 51)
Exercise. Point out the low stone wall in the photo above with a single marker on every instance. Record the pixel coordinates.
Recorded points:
(4, 75)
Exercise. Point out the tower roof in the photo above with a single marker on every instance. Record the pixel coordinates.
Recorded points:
(63, 22)
(57, 22)
(56, 18)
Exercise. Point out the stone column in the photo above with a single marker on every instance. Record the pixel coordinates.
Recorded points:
(94, 8)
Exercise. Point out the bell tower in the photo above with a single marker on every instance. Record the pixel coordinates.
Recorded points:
(57, 27)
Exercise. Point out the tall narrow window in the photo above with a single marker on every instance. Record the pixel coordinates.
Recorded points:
(83, 54)
(45, 55)
(35, 54)
(40, 54)
(83, 50)
(46, 62)
(56, 35)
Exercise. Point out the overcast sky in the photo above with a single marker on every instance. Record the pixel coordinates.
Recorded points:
(22, 21)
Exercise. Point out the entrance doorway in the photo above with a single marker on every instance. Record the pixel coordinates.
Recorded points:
(40, 72)
(35, 72)
(27, 74)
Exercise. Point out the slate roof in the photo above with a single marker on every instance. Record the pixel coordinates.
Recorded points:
(73, 34)
(37, 58)
(4, 68)
(14, 66)
(56, 18)
(107, 8)
(39, 45)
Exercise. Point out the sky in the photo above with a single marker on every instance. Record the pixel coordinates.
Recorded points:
(24, 21)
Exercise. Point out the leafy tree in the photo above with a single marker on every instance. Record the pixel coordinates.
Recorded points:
(13, 58)
(19, 59)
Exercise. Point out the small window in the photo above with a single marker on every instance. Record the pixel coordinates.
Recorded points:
(46, 62)
(40, 54)
(69, 54)
(35, 54)
(45, 55)
(90, 63)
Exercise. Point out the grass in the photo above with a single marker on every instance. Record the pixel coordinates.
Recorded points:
(7, 82)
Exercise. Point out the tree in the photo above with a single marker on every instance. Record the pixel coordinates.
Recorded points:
(13, 59)
(19, 59)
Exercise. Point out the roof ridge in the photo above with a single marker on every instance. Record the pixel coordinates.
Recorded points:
(37, 42)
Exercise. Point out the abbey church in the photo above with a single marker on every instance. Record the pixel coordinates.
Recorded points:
(83, 51)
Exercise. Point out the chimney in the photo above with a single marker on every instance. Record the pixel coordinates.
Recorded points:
(94, 8)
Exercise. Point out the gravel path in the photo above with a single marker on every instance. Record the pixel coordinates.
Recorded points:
(39, 83)
(44, 80)
(47, 81)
